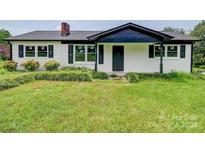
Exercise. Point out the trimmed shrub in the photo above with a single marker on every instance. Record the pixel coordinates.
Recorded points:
(132, 77)
(10, 83)
(10, 66)
(113, 76)
(31, 65)
(145, 76)
(51, 65)
(100, 75)
(64, 76)
(184, 76)
(73, 68)
(178, 76)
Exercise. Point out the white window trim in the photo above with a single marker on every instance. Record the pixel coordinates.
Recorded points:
(177, 52)
(86, 54)
(25, 51)
(166, 50)
(36, 52)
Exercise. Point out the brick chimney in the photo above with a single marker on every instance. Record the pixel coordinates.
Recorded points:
(65, 29)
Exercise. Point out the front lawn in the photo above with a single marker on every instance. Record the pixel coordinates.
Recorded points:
(104, 106)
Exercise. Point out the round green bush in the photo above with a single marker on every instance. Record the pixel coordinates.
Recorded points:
(31, 65)
(100, 75)
(10, 66)
(132, 77)
(113, 75)
(51, 65)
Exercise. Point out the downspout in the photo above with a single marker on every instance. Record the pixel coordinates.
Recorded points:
(192, 47)
(96, 56)
(10, 46)
(161, 57)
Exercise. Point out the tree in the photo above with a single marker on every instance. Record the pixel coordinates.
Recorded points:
(4, 47)
(4, 34)
(171, 29)
(199, 32)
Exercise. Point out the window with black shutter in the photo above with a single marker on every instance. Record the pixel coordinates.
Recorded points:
(21, 51)
(70, 54)
(172, 51)
(101, 54)
(182, 51)
(42, 51)
(50, 51)
(151, 51)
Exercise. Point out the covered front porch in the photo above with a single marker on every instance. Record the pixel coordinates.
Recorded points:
(127, 57)
(128, 48)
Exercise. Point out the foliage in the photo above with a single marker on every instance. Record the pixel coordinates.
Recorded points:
(10, 83)
(145, 76)
(199, 46)
(51, 65)
(3, 57)
(199, 69)
(177, 30)
(10, 66)
(64, 76)
(100, 75)
(132, 77)
(113, 75)
(4, 34)
(179, 76)
(198, 60)
(73, 68)
(31, 65)
(4, 51)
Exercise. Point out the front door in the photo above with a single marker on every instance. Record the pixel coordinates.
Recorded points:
(118, 58)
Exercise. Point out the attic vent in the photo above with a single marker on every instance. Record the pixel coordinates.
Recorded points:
(65, 29)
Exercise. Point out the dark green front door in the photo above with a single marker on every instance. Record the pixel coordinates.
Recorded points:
(118, 58)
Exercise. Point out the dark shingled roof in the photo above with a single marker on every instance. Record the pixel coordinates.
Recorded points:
(54, 35)
(178, 36)
(80, 36)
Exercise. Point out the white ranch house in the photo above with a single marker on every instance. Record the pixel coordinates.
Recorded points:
(127, 48)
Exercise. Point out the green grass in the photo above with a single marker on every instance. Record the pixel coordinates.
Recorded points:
(104, 106)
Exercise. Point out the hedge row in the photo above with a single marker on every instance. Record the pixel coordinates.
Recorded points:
(10, 83)
(179, 76)
(72, 75)
(63, 76)
(55, 76)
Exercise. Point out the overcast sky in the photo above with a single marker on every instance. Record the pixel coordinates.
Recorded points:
(23, 26)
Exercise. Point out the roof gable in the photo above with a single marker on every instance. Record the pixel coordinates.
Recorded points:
(134, 27)
(128, 35)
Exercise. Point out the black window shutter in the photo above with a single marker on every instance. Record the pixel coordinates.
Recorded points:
(70, 54)
(21, 51)
(151, 51)
(50, 51)
(182, 51)
(101, 54)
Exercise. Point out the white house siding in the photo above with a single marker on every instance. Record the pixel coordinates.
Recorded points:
(56, 47)
(136, 59)
(60, 54)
